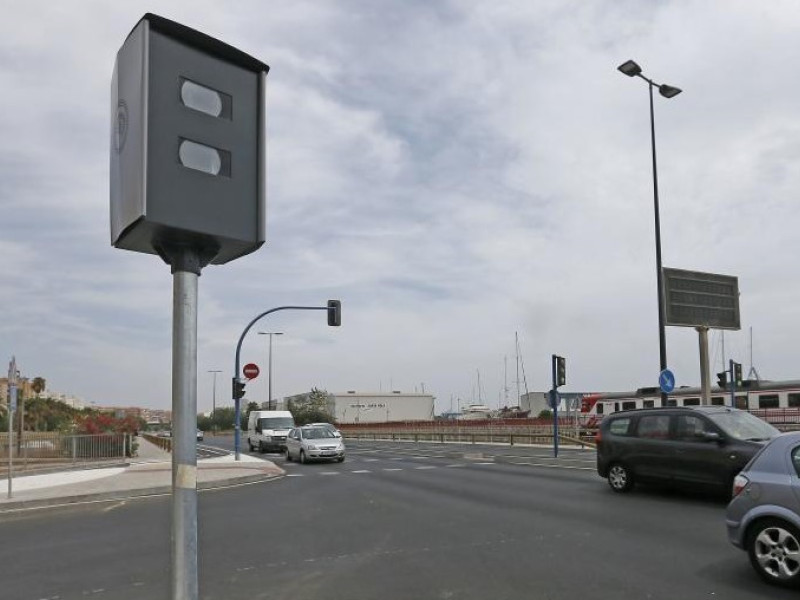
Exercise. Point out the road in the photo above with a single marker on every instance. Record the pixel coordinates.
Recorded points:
(396, 521)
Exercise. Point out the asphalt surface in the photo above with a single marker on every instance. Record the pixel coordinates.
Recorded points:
(396, 521)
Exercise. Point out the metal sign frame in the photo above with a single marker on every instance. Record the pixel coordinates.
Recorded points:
(695, 299)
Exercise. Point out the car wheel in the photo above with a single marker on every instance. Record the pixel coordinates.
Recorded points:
(261, 448)
(774, 549)
(302, 457)
(288, 456)
(620, 478)
(340, 459)
(250, 443)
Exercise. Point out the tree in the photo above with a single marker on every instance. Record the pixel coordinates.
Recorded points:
(38, 385)
(312, 408)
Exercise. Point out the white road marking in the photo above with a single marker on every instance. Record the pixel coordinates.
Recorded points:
(361, 471)
(330, 473)
(424, 467)
(386, 469)
(294, 475)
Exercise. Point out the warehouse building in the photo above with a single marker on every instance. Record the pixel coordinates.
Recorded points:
(376, 407)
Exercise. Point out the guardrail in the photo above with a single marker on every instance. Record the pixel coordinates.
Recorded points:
(471, 437)
(36, 450)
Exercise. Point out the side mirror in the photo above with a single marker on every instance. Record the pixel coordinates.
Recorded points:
(712, 436)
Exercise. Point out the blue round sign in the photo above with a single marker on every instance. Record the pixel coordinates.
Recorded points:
(666, 381)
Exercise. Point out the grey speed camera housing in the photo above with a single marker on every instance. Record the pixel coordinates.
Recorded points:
(188, 144)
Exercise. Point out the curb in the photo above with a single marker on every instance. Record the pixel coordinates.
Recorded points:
(134, 494)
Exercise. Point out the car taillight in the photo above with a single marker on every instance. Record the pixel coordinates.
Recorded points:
(739, 483)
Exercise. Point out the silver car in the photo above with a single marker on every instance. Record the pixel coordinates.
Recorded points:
(333, 429)
(764, 516)
(313, 443)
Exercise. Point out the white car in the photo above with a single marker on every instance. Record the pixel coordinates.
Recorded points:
(313, 443)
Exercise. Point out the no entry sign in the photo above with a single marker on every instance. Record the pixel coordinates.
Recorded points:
(251, 370)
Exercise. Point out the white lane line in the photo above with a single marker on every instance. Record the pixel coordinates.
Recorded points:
(294, 475)
(370, 459)
(330, 473)
(485, 463)
(387, 469)
(456, 466)
(424, 467)
(361, 471)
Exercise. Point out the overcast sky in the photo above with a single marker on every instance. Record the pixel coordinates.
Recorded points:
(453, 171)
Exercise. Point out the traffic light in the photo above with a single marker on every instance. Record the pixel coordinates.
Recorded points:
(561, 370)
(737, 374)
(722, 379)
(334, 313)
(238, 389)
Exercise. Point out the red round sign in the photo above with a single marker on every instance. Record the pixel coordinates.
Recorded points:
(251, 370)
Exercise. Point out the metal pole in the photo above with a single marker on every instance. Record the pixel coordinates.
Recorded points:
(662, 342)
(269, 376)
(184, 449)
(732, 384)
(554, 401)
(12, 404)
(705, 382)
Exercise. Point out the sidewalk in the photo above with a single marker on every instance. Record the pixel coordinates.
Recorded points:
(148, 474)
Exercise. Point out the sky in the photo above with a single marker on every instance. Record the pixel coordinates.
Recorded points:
(457, 173)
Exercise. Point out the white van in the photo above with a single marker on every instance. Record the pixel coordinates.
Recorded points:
(267, 430)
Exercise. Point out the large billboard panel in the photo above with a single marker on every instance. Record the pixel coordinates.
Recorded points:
(694, 299)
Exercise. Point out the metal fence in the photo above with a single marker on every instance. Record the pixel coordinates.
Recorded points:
(44, 448)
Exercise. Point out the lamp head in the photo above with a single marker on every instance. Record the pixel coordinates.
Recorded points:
(668, 91)
(630, 68)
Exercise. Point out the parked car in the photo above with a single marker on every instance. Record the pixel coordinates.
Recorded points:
(700, 446)
(313, 443)
(764, 516)
(335, 431)
(199, 436)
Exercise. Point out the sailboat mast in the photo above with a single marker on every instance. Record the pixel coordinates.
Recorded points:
(516, 346)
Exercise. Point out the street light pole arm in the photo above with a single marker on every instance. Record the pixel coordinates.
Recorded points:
(264, 314)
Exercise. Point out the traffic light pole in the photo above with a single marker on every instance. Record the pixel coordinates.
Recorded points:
(732, 384)
(554, 404)
(333, 320)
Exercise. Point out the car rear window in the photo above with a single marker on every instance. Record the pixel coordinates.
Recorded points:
(620, 426)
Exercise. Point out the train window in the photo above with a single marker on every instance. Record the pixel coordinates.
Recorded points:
(672, 402)
(793, 400)
(649, 404)
(691, 402)
(741, 402)
(768, 401)
(600, 407)
(717, 401)
(629, 405)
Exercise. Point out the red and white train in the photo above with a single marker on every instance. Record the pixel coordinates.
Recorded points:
(773, 401)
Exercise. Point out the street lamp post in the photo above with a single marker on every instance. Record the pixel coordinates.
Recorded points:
(631, 69)
(269, 366)
(214, 404)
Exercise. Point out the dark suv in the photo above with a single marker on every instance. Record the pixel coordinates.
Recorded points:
(701, 446)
